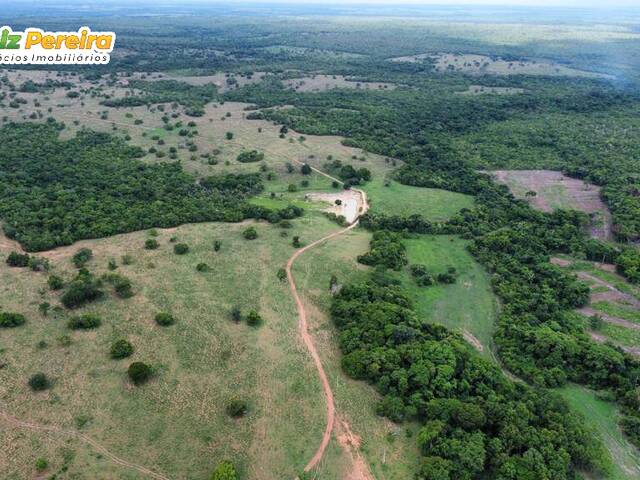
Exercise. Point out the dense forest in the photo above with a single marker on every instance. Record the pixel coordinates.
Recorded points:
(475, 423)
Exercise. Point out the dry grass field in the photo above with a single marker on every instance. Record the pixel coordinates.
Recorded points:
(481, 64)
(548, 190)
(321, 83)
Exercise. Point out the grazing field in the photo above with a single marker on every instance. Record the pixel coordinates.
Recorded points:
(468, 304)
(393, 198)
(602, 417)
(548, 190)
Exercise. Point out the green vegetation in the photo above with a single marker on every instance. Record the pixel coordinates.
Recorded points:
(85, 322)
(164, 319)
(224, 471)
(468, 304)
(139, 373)
(39, 382)
(602, 416)
(11, 320)
(393, 198)
(474, 421)
(121, 349)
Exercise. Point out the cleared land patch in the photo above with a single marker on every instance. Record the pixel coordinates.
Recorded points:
(548, 190)
(393, 198)
(322, 83)
(468, 304)
(483, 90)
(472, 64)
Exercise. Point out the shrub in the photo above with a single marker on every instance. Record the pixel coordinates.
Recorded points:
(139, 372)
(164, 319)
(282, 274)
(237, 408)
(39, 382)
(83, 289)
(305, 169)
(202, 267)
(250, 233)
(16, 259)
(229, 135)
(41, 464)
(250, 157)
(151, 244)
(236, 314)
(121, 349)
(180, 248)
(127, 259)
(112, 265)
(11, 320)
(84, 322)
(296, 242)
(254, 319)
(292, 188)
(81, 257)
(216, 245)
(123, 287)
(225, 471)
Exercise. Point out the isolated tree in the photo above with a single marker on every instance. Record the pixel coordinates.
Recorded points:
(39, 382)
(164, 319)
(237, 408)
(254, 319)
(139, 372)
(305, 169)
(250, 233)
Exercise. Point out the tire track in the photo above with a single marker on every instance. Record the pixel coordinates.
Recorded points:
(85, 439)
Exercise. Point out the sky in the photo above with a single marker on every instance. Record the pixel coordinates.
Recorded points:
(590, 4)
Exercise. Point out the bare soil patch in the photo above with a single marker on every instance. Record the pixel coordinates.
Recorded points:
(350, 203)
(548, 190)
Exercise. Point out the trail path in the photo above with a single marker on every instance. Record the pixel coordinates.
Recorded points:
(308, 340)
(83, 438)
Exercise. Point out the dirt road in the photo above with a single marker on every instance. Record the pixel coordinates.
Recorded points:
(303, 326)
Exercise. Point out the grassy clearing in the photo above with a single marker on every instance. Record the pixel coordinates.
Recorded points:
(602, 417)
(177, 423)
(618, 310)
(469, 304)
(398, 199)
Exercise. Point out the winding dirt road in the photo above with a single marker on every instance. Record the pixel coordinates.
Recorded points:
(304, 328)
